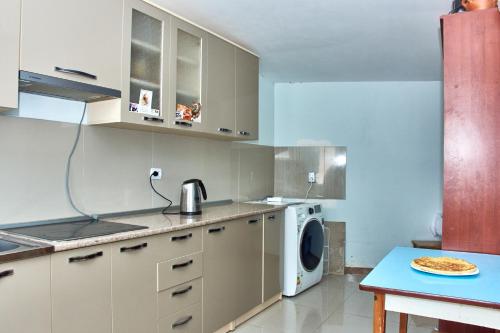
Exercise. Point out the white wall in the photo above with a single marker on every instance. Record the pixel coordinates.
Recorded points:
(393, 133)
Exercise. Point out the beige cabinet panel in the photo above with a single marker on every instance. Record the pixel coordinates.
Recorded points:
(273, 248)
(187, 320)
(180, 270)
(81, 290)
(233, 270)
(178, 244)
(247, 95)
(25, 296)
(76, 35)
(179, 297)
(221, 87)
(133, 286)
(189, 77)
(10, 25)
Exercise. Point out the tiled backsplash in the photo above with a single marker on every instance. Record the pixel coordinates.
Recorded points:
(292, 165)
(110, 169)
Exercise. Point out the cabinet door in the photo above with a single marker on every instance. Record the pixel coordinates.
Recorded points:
(273, 242)
(189, 68)
(247, 95)
(73, 35)
(9, 66)
(133, 287)
(221, 87)
(81, 290)
(146, 42)
(25, 293)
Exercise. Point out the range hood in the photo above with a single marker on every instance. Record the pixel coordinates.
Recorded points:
(55, 87)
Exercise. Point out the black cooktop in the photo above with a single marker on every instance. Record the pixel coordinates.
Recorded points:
(74, 230)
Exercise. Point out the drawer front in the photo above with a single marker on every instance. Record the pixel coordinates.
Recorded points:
(179, 297)
(184, 321)
(180, 243)
(176, 271)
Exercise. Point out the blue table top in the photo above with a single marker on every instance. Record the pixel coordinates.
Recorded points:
(394, 273)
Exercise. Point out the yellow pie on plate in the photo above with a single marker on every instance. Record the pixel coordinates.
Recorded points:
(445, 266)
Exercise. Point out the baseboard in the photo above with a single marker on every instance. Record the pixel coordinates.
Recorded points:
(357, 270)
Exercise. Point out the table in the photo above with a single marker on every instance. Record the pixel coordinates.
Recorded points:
(473, 300)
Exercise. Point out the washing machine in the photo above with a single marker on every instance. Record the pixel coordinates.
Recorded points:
(303, 238)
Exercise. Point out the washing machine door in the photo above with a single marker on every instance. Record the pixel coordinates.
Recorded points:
(311, 245)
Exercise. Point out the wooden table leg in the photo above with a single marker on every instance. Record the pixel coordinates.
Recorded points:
(403, 323)
(379, 313)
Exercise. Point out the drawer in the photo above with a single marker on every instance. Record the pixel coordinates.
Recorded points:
(187, 320)
(180, 243)
(176, 271)
(179, 297)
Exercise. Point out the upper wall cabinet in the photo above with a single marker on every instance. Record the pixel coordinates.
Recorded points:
(221, 87)
(247, 95)
(189, 75)
(146, 43)
(10, 25)
(73, 39)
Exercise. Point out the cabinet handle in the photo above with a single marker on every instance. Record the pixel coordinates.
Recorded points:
(158, 120)
(177, 238)
(211, 231)
(183, 123)
(184, 264)
(6, 273)
(75, 72)
(183, 291)
(182, 321)
(253, 221)
(86, 258)
(271, 217)
(134, 248)
(224, 130)
(244, 133)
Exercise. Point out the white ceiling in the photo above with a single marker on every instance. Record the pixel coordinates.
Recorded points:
(329, 40)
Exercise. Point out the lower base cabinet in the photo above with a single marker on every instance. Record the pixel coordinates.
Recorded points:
(25, 296)
(273, 249)
(81, 290)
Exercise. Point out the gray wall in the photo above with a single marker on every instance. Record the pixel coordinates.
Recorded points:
(393, 134)
(111, 166)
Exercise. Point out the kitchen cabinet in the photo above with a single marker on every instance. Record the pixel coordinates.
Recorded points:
(133, 286)
(145, 71)
(221, 87)
(273, 254)
(25, 293)
(247, 95)
(10, 26)
(233, 270)
(189, 77)
(81, 290)
(74, 40)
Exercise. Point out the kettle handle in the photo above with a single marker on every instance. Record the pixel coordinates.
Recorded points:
(203, 190)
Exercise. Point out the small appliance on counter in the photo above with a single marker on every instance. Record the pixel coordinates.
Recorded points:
(191, 193)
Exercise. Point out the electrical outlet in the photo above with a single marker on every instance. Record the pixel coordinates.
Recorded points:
(311, 177)
(157, 170)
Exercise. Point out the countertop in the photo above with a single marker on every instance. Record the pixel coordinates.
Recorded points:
(158, 223)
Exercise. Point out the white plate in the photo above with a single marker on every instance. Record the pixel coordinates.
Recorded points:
(421, 269)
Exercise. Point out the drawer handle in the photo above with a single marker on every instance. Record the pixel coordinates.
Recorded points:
(244, 133)
(271, 217)
(213, 230)
(177, 238)
(253, 221)
(75, 72)
(184, 264)
(6, 273)
(86, 258)
(183, 123)
(224, 130)
(158, 120)
(183, 291)
(134, 248)
(182, 321)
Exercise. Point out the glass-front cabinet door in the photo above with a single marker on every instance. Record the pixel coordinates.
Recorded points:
(189, 66)
(146, 43)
